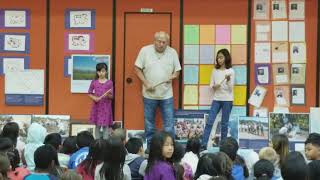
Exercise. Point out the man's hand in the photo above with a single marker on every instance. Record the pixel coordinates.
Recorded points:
(148, 85)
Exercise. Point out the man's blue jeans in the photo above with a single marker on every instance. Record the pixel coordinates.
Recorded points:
(226, 107)
(167, 112)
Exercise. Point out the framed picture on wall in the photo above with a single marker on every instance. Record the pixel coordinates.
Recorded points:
(294, 125)
(12, 64)
(53, 123)
(75, 128)
(80, 18)
(15, 42)
(262, 74)
(298, 95)
(79, 42)
(15, 18)
(84, 70)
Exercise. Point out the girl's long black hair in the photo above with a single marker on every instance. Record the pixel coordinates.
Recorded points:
(115, 154)
(94, 157)
(156, 146)
(99, 67)
(227, 59)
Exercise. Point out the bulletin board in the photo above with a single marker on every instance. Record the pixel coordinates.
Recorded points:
(282, 39)
(99, 13)
(28, 21)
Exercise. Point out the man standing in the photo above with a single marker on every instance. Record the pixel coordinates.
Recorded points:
(156, 66)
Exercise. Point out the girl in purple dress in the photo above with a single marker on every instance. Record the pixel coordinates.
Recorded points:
(101, 92)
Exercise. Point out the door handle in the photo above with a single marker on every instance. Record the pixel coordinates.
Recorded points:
(129, 80)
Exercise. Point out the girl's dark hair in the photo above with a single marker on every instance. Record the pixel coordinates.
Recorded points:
(4, 165)
(6, 144)
(11, 131)
(177, 155)
(216, 165)
(94, 157)
(156, 146)
(69, 145)
(222, 164)
(205, 166)
(54, 139)
(263, 170)
(280, 144)
(56, 170)
(14, 158)
(227, 59)
(294, 167)
(114, 157)
(99, 67)
(193, 145)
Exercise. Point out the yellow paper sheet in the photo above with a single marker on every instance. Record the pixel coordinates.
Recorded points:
(205, 74)
(240, 97)
(238, 34)
(190, 95)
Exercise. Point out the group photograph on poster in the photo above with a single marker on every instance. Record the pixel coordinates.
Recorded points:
(189, 124)
(186, 128)
(53, 123)
(294, 125)
(253, 128)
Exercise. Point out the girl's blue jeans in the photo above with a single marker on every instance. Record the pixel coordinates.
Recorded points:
(216, 106)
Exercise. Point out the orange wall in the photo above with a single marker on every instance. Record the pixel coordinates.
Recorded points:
(37, 48)
(211, 12)
(311, 22)
(61, 100)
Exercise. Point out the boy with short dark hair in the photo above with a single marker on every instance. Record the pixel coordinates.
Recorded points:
(312, 146)
(44, 162)
(134, 158)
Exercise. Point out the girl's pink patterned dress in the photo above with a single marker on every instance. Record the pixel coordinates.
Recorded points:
(101, 112)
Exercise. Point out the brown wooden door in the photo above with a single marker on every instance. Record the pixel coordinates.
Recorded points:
(139, 31)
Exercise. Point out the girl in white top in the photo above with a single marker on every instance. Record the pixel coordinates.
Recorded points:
(222, 82)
